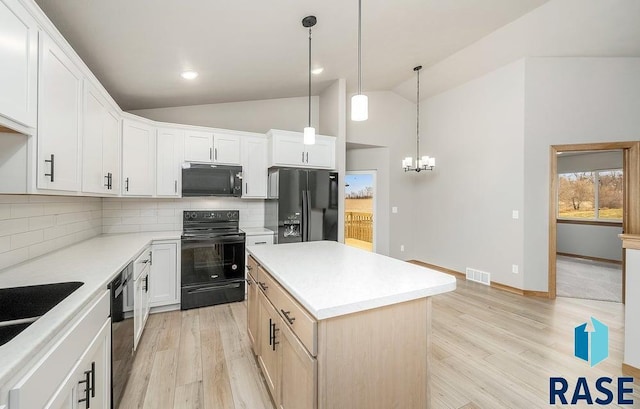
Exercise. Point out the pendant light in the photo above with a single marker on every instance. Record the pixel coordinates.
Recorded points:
(424, 162)
(309, 132)
(359, 102)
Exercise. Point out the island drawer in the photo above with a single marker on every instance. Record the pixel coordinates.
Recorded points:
(293, 314)
(252, 267)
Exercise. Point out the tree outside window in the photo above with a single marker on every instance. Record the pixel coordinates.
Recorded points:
(594, 195)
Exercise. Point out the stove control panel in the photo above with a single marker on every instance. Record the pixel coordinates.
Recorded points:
(211, 215)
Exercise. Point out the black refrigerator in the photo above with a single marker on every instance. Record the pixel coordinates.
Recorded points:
(302, 205)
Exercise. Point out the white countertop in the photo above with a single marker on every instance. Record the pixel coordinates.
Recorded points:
(255, 231)
(331, 279)
(94, 262)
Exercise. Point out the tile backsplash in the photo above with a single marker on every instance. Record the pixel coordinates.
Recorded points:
(124, 215)
(32, 225)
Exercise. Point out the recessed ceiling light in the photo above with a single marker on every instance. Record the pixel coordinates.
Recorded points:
(189, 75)
(317, 71)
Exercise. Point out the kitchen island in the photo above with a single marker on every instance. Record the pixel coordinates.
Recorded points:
(338, 327)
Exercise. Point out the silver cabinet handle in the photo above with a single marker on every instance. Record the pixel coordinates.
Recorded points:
(307, 157)
(211, 153)
(126, 184)
(53, 164)
(246, 187)
(260, 242)
(175, 186)
(215, 153)
(303, 157)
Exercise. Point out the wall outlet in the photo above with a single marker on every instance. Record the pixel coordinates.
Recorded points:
(515, 214)
(394, 209)
(402, 247)
(514, 268)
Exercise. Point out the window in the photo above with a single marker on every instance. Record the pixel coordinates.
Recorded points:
(593, 195)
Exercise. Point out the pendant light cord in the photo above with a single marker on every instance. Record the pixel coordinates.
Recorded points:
(418, 119)
(359, 47)
(309, 77)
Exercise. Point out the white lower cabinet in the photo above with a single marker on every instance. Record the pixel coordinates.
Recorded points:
(258, 240)
(165, 286)
(75, 372)
(141, 295)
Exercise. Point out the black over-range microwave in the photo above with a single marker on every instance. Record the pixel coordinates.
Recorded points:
(211, 180)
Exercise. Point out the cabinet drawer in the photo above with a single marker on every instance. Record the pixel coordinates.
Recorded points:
(293, 314)
(252, 267)
(39, 385)
(259, 240)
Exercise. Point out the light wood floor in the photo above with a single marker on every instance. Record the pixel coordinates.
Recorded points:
(491, 349)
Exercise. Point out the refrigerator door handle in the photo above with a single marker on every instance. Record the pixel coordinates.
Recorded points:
(308, 214)
(305, 226)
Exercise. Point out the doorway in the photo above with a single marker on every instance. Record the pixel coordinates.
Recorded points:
(360, 209)
(566, 211)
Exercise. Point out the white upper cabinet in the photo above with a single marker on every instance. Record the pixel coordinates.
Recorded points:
(169, 162)
(100, 144)
(213, 147)
(322, 154)
(59, 119)
(19, 67)
(138, 158)
(288, 150)
(254, 167)
(198, 146)
(226, 149)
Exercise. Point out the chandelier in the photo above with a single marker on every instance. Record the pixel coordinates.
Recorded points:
(421, 162)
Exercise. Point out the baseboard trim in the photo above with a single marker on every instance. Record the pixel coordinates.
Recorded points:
(590, 258)
(494, 284)
(631, 370)
(437, 268)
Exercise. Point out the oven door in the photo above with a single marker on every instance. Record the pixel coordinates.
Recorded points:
(212, 260)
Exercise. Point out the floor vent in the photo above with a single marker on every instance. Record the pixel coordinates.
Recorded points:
(478, 276)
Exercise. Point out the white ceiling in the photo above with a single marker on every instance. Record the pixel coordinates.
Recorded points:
(256, 49)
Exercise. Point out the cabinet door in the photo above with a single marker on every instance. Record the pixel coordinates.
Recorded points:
(288, 150)
(198, 146)
(93, 369)
(138, 294)
(268, 358)
(138, 159)
(94, 114)
(254, 168)
(169, 159)
(253, 314)
(59, 119)
(100, 144)
(111, 150)
(19, 56)
(298, 374)
(322, 153)
(165, 280)
(226, 149)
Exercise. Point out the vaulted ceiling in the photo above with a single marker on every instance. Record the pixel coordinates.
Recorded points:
(253, 49)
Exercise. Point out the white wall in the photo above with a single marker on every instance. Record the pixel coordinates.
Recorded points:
(464, 209)
(569, 101)
(391, 124)
(588, 240)
(290, 114)
(585, 162)
(128, 215)
(333, 122)
(376, 159)
(32, 225)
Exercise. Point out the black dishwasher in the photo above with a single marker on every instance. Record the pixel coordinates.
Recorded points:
(121, 333)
